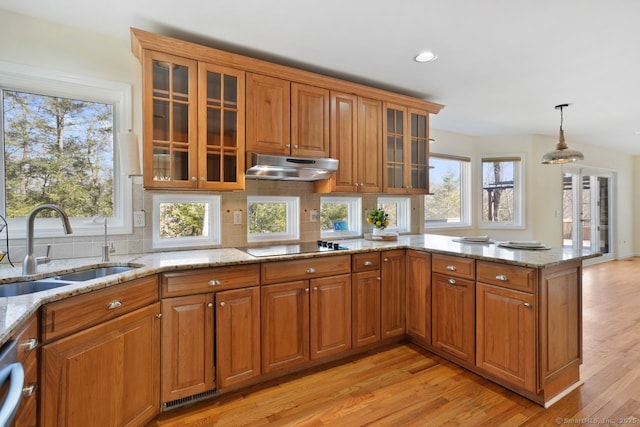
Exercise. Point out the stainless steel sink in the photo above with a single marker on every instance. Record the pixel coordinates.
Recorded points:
(94, 273)
(23, 288)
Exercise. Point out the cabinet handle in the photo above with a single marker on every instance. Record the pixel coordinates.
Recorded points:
(210, 305)
(159, 316)
(368, 263)
(306, 289)
(386, 260)
(222, 303)
(315, 288)
(311, 270)
(288, 145)
(295, 146)
(114, 304)
(527, 305)
(194, 179)
(28, 390)
(452, 281)
(356, 184)
(502, 277)
(202, 179)
(29, 344)
(451, 267)
(214, 282)
(378, 278)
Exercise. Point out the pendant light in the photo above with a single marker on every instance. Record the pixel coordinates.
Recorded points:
(561, 154)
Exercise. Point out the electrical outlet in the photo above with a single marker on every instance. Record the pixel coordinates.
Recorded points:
(237, 217)
(313, 215)
(138, 219)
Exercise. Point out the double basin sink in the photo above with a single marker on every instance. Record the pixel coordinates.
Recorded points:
(24, 288)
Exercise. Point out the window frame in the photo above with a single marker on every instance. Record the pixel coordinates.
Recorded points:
(214, 212)
(518, 191)
(354, 220)
(403, 216)
(465, 195)
(292, 213)
(23, 78)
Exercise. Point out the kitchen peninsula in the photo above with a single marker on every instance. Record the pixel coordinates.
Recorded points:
(512, 316)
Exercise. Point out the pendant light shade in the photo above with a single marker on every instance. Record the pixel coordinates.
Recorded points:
(561, 154)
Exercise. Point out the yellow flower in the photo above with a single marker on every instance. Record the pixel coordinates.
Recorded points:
(378, 223)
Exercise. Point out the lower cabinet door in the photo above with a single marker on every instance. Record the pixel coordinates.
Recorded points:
(285, 325)
(330, 313)
(418, 296)
(188, 365)
(505, 336)
(365, 305)
(237, 335)
(392, 293)
(107, 375)
(454, 317)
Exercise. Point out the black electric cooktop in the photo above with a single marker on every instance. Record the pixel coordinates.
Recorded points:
(298, 248)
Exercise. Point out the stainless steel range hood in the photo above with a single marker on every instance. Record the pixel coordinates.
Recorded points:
(288, 168)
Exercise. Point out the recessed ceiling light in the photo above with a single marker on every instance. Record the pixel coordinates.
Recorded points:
(426, 56)
(637, 132)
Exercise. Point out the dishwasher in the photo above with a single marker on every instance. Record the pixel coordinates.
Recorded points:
(11, 380)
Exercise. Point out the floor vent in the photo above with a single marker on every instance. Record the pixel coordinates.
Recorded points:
(187, 400)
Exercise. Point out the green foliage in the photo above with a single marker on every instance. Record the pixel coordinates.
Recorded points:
(59, 151)
(444, 203)
(267, 218)
(182, 219)
(330, 212)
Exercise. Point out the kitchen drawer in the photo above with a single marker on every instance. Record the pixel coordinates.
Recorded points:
(453, 266)
(209, 280)
(27, 339)
(507, 276)
(76, 313)
(365, 262)
(301, 269)
(28, 348)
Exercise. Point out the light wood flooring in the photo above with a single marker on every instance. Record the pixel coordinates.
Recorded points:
(407, 386)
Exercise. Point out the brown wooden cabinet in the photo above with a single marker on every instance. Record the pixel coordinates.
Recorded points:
(418, 296)
(28, 354)
(453, 312)
(237, 335)
(406, 150)
(268, 114)
(309, 121)
(188, 365)
(392, 293)
(193, 117)
(505, 334)
(356, 141)
(108, 374)
(366, 308)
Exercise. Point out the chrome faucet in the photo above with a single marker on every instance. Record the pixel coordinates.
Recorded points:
(30, 264)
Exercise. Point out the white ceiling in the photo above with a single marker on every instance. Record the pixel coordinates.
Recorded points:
(502, 64)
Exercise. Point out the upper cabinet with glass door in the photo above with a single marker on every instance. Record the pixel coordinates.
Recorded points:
(406, 150)
(193, 124)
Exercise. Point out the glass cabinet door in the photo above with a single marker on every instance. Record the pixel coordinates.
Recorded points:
(170, 120)
(419, 164)
(394, 168)
(221, 128)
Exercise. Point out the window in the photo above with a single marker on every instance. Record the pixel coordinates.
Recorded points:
(340, 217)
(57, 136)
(449, 204)
(502, 196)
(399, 211)
(185, 220)
(273, 218)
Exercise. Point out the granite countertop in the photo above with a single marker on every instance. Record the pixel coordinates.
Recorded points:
(15, 310)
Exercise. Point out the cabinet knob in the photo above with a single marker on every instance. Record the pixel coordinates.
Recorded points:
(452, 281)
(451, 267)
(114, 304)
(288, 145)
(386, 260)
(311, 270)
(28, 390)
(315, 288)
(159, 316)
(29, 344)
(527, 305)
(356, 184)
(368, 263)
(210, 305)
(502, 277)
(194, 179)
(222, 303)
(214, 282)
(295, 146)
(202, 179)
(306, 289)
(378, 278)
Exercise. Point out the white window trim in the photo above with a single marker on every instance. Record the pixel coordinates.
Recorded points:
(465, 199)
(213, 224)
(56, 83)
(403, 215)
(293, 219)
(354, 222)
(518, 194)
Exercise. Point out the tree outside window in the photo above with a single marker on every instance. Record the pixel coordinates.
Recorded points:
(501, 191)
(448, 204)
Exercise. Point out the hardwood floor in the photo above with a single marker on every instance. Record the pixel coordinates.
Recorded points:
(408, 386)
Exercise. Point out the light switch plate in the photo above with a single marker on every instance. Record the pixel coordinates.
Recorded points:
(237, 217)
